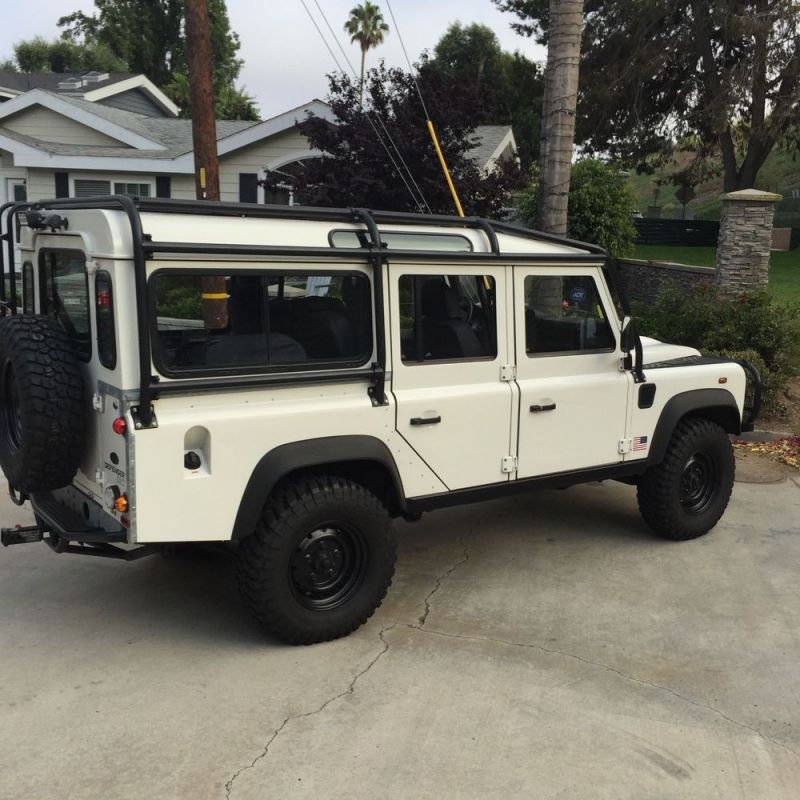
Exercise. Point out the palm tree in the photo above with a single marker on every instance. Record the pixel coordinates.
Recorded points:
(366, 26)
(558, 113)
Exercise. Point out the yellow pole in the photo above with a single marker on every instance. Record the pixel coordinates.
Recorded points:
(446, 171)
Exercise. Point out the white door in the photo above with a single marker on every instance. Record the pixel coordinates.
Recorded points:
(453, 407)
(573, 396)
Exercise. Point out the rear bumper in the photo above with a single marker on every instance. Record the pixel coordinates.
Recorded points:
(54, 517)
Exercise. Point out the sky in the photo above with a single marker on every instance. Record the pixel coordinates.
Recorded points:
(285, 61)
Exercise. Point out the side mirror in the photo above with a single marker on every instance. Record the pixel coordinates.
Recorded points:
(631, 344)
(628, 335)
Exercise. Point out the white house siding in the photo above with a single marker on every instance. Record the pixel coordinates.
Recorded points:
(270, 153)
(41, 184)
(48, 126)
(183, 188)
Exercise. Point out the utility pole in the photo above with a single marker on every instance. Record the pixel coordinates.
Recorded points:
(201, 85)
(204, 137)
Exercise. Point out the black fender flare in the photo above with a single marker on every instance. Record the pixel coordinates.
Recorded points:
(718, 405)
(307, 454)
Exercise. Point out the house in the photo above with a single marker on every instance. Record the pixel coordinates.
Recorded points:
(103, 133)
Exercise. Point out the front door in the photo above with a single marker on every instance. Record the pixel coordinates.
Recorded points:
(573, 396)
(453, 407)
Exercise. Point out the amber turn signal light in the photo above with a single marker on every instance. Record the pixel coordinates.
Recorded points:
(121, 504)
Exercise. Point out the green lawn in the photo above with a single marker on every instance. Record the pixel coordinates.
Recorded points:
(784, 268)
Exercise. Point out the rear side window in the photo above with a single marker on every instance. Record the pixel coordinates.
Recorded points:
(242, 323)
(447, 318)
(65, 295)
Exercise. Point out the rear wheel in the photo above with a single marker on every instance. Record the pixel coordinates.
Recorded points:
(684, 496)
(320, 561)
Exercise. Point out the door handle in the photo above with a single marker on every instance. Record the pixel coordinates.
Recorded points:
(425, 420)
(549, 407)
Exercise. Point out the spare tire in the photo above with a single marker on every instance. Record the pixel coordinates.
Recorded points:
(43, 404)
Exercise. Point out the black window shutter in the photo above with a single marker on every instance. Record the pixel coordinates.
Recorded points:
(163, 186)
(248, 187)
(62, 184)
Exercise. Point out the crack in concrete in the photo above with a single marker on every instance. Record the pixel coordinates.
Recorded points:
(349, 690)
(609, 668)
(439, 581)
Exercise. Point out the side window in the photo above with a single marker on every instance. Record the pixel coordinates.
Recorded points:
(65, 295)
(563, 314)
(447, 317)
(254, 322)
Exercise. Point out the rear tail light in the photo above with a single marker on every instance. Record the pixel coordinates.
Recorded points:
(120, 426)
(104, 307)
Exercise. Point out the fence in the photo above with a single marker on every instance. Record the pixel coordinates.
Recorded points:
(679, 232)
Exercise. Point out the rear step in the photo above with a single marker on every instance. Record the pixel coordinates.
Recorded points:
(33, 533)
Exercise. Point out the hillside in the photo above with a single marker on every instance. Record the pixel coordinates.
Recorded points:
(780, 173)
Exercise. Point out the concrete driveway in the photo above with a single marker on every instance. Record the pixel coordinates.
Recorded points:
(539, 648)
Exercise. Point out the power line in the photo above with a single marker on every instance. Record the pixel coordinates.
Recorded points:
(420, 201)
(408, 60)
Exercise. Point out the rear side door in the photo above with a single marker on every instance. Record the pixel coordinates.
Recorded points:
(454, 408)
(573, 395)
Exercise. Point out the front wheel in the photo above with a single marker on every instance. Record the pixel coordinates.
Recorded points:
(320, 561)
(685, 495)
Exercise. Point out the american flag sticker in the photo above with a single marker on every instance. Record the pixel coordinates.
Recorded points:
(640, 443)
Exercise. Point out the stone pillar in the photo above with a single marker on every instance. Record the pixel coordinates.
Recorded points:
(745, 237)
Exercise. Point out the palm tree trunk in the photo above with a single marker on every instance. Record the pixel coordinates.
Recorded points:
(361, 84)
(558, 113)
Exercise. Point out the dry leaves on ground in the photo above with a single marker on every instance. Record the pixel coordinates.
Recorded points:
(785, 450)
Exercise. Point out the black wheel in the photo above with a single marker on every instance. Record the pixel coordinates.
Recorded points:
(320, 561)
(43, 404)
(684, 496)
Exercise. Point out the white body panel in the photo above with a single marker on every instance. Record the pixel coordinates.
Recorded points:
(486, 422)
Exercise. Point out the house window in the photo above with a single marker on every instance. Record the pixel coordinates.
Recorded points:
(133, 189)
(90, 187)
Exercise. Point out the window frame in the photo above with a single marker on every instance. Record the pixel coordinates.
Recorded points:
(600, 299)
(284, 368)
(415, 276)
(362, 235)
(44, 305)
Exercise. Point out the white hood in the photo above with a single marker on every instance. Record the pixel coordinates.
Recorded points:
(655, 351)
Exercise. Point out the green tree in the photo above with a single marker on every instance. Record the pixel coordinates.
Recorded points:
(503, 87)
(600, 206)
(367, 27)
(721, 76)
(39, 55)
(148, 36)
(355, 169)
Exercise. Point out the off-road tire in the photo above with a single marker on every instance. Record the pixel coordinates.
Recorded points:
(684, 496)
(43, 404)
(280, 564)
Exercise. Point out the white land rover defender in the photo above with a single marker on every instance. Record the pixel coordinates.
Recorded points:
(293, 378)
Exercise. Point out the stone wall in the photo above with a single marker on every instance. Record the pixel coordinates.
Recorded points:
(645, 280)
(745, 239)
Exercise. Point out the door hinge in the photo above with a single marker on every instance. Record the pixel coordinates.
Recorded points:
(624, 446)
(508, 372)
(509, 464)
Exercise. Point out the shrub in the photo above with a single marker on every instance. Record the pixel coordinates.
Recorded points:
(750, 326)
(600, 206)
